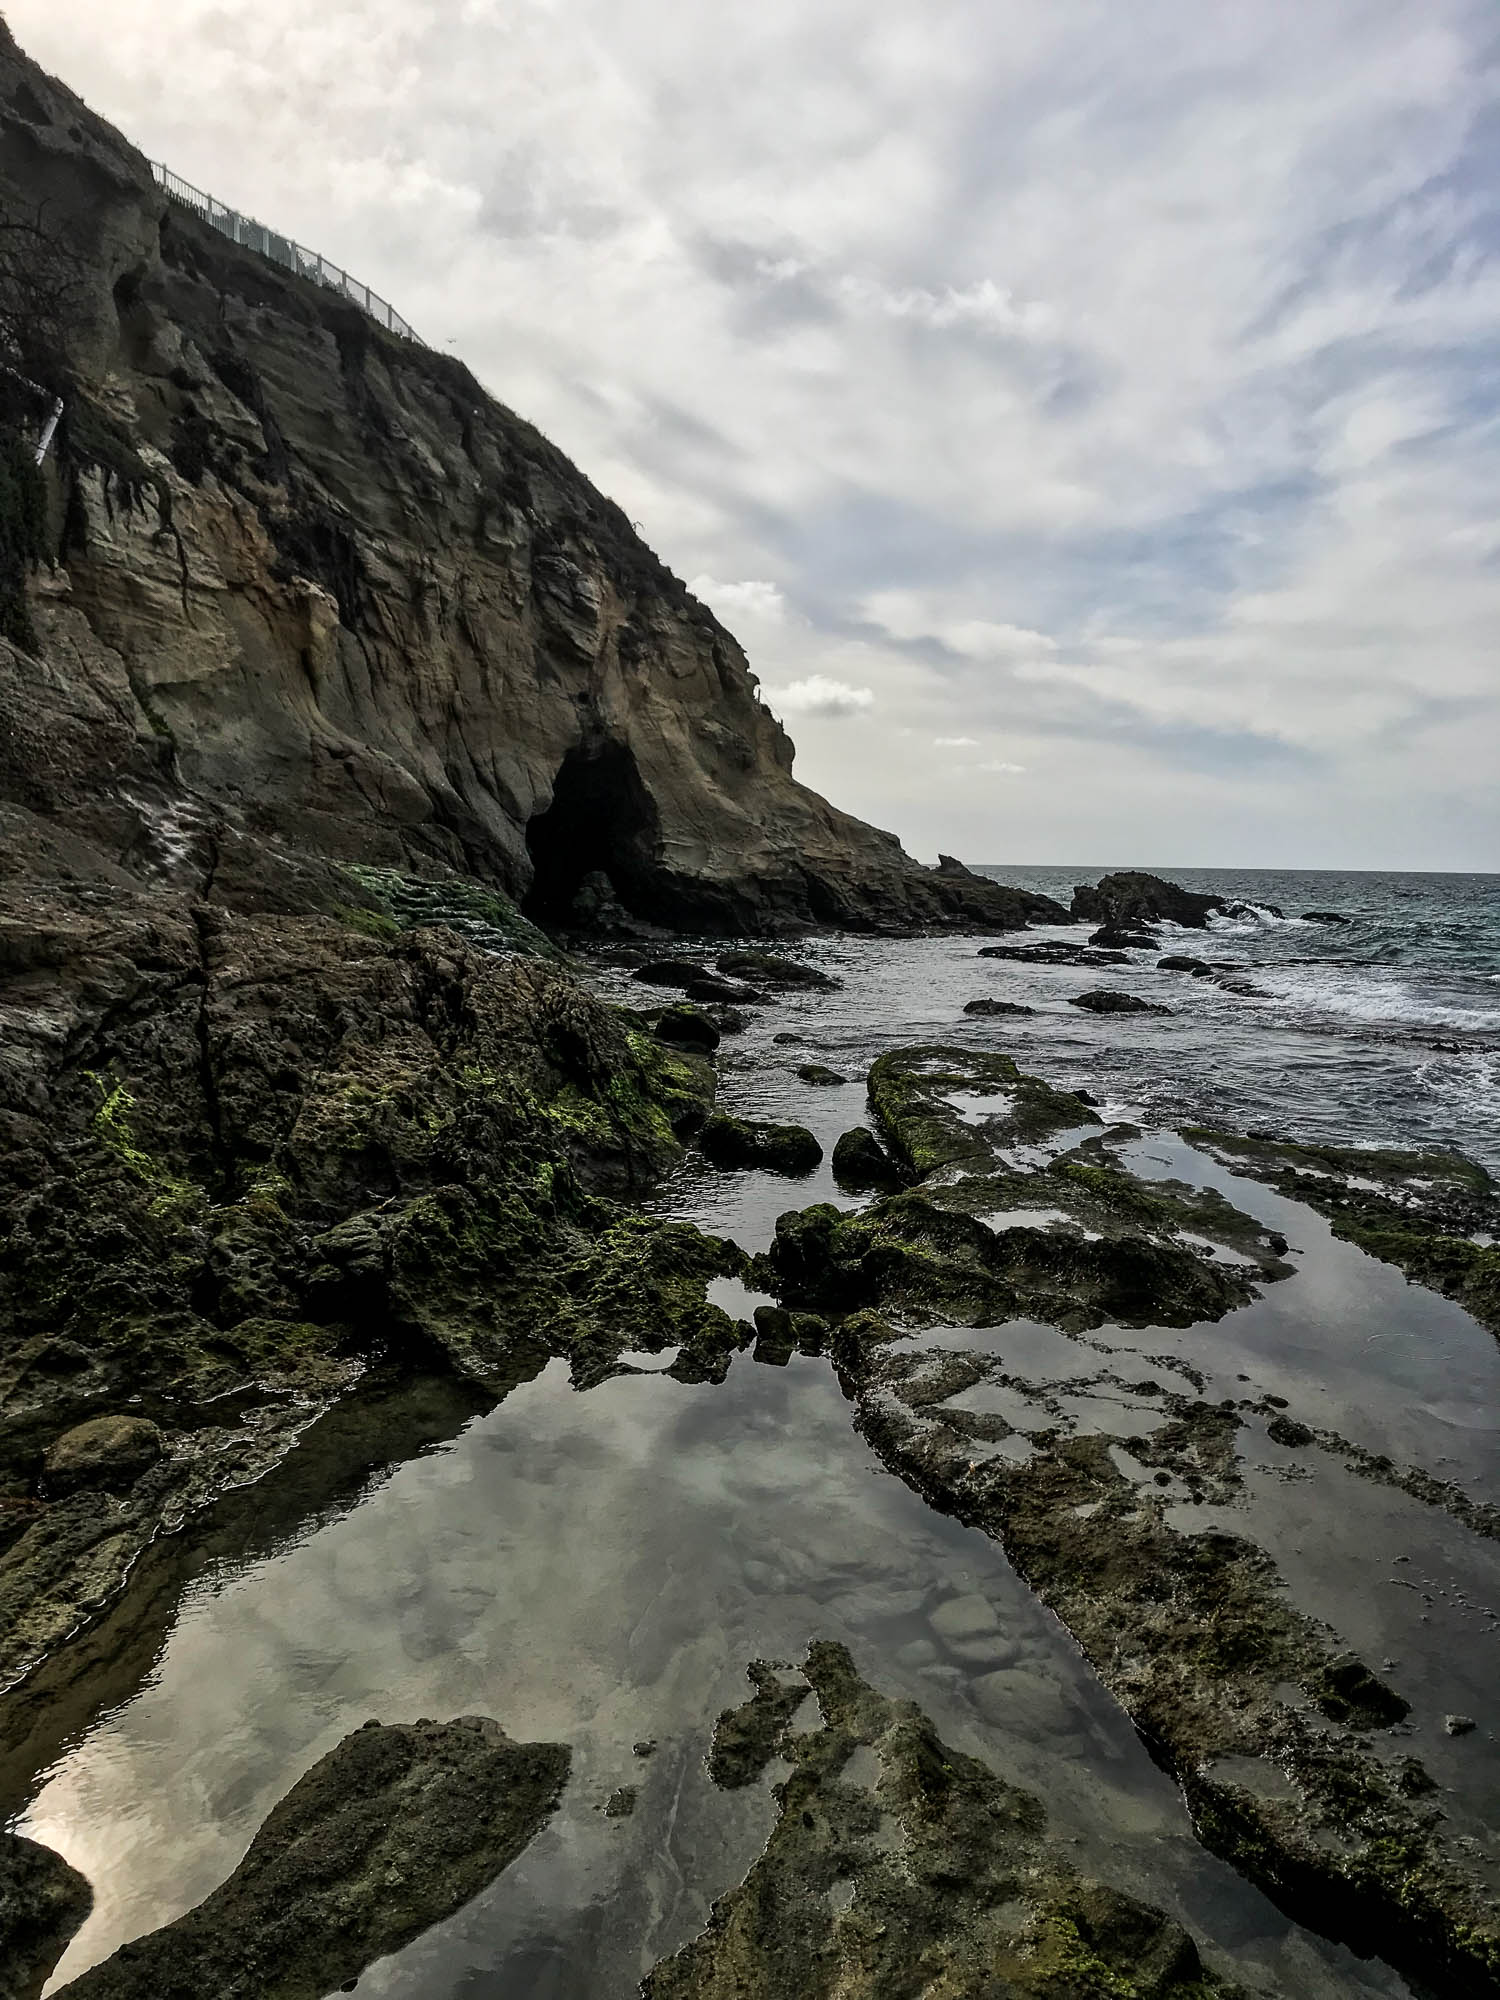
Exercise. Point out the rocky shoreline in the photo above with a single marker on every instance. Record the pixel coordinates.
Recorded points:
(276, 1152)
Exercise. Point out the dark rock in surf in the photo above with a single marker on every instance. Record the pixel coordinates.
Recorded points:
(748, 1142)
(1115, 937)
(1104, 1000)
(770, 969)
(1132, 898)
(1180, 962)
(687, 1028)
(820, 1074)
(1324, 917)
(727, 992)
(670, 972)
(395, 1829)
(861, 1165)
(996, 1007)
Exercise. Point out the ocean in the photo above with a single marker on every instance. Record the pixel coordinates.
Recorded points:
(1384, 1029)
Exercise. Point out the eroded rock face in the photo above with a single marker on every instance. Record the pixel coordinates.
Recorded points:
(325, 600)
(934, 1876)
(244, 1155)
(396, 1828)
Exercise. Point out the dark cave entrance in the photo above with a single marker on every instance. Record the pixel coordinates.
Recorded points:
(601, 821)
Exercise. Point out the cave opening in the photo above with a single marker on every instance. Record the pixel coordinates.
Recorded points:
(601, 822)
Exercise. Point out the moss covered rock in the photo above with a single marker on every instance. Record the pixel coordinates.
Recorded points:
(749, 1142)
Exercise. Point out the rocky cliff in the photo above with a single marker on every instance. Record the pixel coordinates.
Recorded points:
(312, 597)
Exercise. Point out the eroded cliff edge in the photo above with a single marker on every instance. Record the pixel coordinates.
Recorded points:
(317, 597)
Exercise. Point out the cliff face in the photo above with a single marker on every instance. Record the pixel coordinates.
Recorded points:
(321, 599)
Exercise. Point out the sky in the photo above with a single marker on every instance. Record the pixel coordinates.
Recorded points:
(1083, 413)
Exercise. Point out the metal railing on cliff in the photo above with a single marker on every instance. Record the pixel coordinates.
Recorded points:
(281, 250)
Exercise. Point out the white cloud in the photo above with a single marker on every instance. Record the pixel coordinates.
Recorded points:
(956, 742)
(818, 695)
(997, 765)
(1094, 381)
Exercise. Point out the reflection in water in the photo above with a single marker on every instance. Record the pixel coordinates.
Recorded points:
(597, 1569)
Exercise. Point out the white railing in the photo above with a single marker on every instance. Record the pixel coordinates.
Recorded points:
(280, 249)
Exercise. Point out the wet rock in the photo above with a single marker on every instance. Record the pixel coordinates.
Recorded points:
(939, 1876)
(1115, 937)
(106, 1451)
(768, 969)
(861, 1164)
(1177, 961)
(788, 1036)
(393, 1830)
(987, 1006)
(729, 992)
(1287, 1431)
(748, 1142)
(1325, 917)
(729, 1020)
(687, 1028)
(645, 1748)
(820, 1073)
(910, 1091)
(746, 1738)
(1418, 1211)
(677, 972)
(1132, 898)
(1106, 1000)
(621, 1802)
(42, 1903)
(1458, 1725)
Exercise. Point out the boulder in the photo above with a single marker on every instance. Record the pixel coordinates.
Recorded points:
(686, 1028)
(1132, 898)
(671, 972)
(111, 1452)
(42, 1903)
(819, 1073)
(861, 1165)
(1103, 1000)
(987, 1006)
(1115, 937)
(1324, 917)
(771, 970)
(1181, 962)
(749, 1142)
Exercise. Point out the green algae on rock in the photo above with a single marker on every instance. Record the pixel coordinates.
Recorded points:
(861, 1163)
(1421, 1212)
(934, 1877)
(910, 1091)
(396, 1828)
(749, 1142)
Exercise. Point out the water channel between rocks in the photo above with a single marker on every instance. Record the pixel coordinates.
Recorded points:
(597, 1568)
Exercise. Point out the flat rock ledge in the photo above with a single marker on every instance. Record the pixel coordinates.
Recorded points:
(394, 1829)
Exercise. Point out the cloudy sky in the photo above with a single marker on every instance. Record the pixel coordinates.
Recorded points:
(1084, 412)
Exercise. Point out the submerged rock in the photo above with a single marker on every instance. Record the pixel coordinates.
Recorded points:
(861, 1163)
(820, 1073)
(677, 972)
(396, 1828)
(987, 1006)
(42, 1903)
(910, 1092)
(1177, 961)
(1130, 897)
(1325, 917)
(748, 1142)
(1107, 1000)
(933, 1876)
